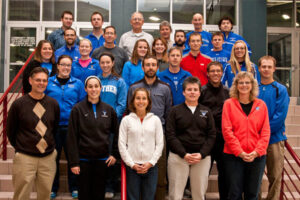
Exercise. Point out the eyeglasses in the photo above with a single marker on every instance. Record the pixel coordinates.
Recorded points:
(65, 65)
(244, 83)
(40, 80)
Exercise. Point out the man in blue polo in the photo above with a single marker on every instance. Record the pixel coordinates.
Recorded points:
(96, 36)
(197, 21)
(276, 97)
(57, 36)
(70, 48)
(226, 26)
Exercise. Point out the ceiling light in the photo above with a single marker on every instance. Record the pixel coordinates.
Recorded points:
(153, 18)
(285, 16)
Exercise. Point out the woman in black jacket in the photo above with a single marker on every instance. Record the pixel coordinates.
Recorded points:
(90, 125)
(43, 57)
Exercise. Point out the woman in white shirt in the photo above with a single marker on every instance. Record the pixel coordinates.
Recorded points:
(140, 146)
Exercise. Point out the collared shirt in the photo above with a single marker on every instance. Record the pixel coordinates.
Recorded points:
(57, 38)
(73, 52)
(128, 39)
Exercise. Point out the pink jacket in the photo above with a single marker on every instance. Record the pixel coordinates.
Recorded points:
(242, 132)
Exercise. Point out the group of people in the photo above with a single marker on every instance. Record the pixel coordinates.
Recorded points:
(169, 113)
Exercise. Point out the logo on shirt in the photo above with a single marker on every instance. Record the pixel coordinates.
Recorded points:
(203, 113)
(86, 114)
(71, 85)
(257, 108)
(104, 114)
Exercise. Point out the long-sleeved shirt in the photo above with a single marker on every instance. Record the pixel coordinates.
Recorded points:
(276, 97)
(57, 38)
(140, 142)
(189, 132)
(245, 133)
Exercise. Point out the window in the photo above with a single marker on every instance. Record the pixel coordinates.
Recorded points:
(86, 8)
(280, 13)
(215, 10)
(154, 11)
(26, 10)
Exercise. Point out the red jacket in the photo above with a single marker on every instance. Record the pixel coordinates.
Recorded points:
(242, 132)
(197, 67)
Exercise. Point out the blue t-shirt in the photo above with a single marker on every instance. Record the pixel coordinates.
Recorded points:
(48, 66)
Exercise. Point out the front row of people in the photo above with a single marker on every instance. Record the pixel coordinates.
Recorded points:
(191, 129)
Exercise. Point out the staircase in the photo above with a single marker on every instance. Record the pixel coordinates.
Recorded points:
(293, 128)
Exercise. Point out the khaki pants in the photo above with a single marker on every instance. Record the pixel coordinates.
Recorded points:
(28, 169)
(275, 161)
(179, 171)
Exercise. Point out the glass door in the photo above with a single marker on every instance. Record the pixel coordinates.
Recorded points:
(21, 43)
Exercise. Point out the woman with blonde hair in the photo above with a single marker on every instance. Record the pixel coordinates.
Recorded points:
(239, 61)
(159, 50)
(246, 131)
(132, 70)
(85, 66)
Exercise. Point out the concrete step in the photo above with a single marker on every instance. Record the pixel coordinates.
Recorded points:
(294, 140)
(292, 119)
(294, 110)
(292, 129)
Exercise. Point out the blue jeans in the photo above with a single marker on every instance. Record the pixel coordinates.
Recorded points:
(60, 140)
(243, 177)
(141, 185)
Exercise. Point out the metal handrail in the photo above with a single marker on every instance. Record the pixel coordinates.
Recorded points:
(4, 101)
(123, 181)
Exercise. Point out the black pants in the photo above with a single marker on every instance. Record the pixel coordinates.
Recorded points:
(92, 180)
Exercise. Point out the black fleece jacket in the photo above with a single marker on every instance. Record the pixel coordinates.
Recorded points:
(88, 137)
(190, 133)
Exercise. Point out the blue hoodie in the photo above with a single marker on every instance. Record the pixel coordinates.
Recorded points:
(206, 41)
(64, 50)
(175, 81)
(114, 93)
(276, 97)
(231, 39)
(132, 73)
(228, 75)
(66, 95)
(83, 72)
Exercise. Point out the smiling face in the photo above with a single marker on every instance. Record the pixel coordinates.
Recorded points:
(140, 101)
(93, 89)
(266, 69)
(46, 52)
(165, 32)
(239, 50)
(70, 37)
(85, 48)
(38, 82)
(106, 65)
(64, 68)
(142, 49)
(244, 86)
(137, 22)
(197, 21)
(215, 74)
(195, 42)
(109, 35)
(191, 93)
(159, 47)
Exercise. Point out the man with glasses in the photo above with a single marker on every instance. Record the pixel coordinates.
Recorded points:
(31, 125)
(213, 95)
(120, 55)
(96, 36)
(128, 39)
(57, 36)
(70, 48)
(195, 62)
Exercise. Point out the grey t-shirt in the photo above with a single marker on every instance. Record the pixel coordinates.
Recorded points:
(120, 56)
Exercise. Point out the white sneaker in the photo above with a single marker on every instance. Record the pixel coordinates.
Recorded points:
(109, 195)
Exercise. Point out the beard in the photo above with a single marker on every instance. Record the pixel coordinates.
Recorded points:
(150, 75)
(179, 43)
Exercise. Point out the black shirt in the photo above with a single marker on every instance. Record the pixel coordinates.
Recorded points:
(247, 107)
